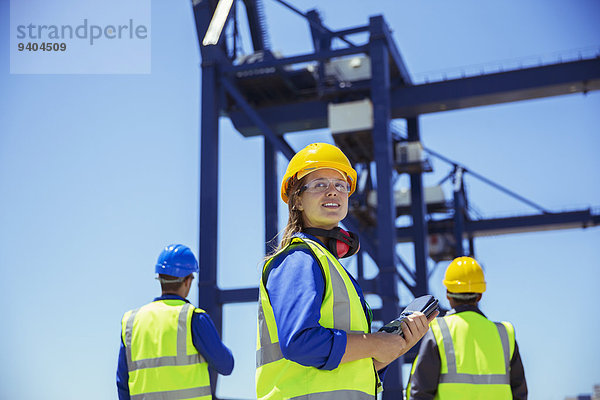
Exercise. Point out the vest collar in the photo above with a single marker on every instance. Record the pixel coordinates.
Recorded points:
(171, 297)
(465, 307)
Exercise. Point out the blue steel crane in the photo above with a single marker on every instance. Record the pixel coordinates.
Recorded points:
(269, 95)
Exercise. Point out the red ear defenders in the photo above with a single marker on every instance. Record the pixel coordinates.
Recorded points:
(338, 241)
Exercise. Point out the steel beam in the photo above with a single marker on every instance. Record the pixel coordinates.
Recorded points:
(245, 295)
(509, 225)
(409, 101)
(387, 278)
(503, 87)
(255, 25)
(304, 58)
(209, 204)
(418, 212)
(396, 57)
(276, 140)
(209, 177)
(351, 31)
(271, 195)
(321, 42)
(459, 212)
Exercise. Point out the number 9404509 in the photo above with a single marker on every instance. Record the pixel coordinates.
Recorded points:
(44, 46)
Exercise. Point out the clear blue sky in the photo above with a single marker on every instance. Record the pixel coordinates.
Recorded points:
(99, 172)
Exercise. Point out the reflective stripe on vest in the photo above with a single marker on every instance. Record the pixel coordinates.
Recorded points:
(279, 378)
(270, 352)
(479, 355)
(337, 395)
(180, 359)
(452, 376)
(148, 378)
(174, 394)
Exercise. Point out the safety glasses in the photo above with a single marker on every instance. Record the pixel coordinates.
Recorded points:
(322, 185)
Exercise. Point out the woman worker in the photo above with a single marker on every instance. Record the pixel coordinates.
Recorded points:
(314, 338)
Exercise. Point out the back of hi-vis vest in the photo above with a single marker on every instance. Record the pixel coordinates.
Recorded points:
(161, 358)
(280, 378)
(475, 356)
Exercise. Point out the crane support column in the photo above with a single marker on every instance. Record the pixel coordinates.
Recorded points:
(208, 291)
(418, 212)
(386, 214)
(459, 212)
(321, 42)
(271, 195)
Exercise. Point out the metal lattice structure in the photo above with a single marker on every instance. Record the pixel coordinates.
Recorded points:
(267, 95)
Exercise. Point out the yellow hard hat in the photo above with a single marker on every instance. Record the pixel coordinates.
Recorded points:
(464, 275)
(318, 156)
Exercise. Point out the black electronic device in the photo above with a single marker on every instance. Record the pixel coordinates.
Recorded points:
(426, 304)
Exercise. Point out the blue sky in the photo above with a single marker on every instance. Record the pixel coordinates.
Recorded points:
(99, 172)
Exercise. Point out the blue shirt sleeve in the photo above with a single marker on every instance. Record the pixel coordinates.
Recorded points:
(208, 343)
(122, 374)
(296, 286)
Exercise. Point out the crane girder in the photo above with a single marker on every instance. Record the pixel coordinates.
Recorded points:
(509, 225)
(579, 76)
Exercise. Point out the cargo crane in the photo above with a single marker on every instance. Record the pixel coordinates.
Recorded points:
(356, 91)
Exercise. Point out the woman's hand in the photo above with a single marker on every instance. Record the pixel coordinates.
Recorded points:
(392, 346)
(386, 347)
(415, 326)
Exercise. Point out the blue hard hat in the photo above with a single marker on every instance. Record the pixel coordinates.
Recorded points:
(176, 260)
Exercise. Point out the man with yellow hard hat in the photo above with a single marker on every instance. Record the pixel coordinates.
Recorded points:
(464, 355)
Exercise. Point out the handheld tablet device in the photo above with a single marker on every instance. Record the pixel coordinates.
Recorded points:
(426, 304)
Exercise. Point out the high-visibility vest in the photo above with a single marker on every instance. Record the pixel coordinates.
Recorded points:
(475, 356)
(161, 358)
(280, 378)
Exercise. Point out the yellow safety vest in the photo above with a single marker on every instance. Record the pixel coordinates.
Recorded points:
(280, 378)
(161, 358)
(475, 356)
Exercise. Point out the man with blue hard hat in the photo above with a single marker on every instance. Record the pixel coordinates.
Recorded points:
(168, 344)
